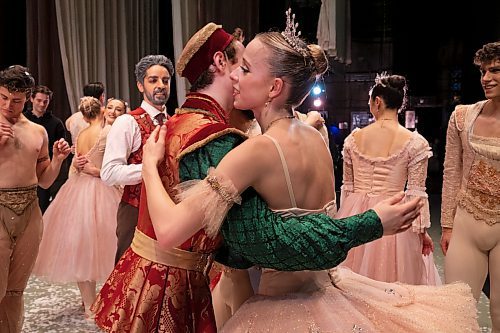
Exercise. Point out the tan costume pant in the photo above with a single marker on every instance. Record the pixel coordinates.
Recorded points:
(20, 236)
(126, 218)
(232, 290)
(474, 250)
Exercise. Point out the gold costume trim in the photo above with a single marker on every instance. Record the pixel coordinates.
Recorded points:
(209, 138)
(194, 44)
(189, 110)
(460, 117)
(149, 249)
(18, 199)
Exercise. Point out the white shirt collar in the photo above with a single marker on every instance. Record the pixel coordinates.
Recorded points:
(151, 110)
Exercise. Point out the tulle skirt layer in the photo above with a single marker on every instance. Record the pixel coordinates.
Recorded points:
(390, 258)
(79, 234)
(359, 304)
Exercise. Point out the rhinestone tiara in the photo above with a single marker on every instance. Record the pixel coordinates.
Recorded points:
(380, 78)
(291, 35)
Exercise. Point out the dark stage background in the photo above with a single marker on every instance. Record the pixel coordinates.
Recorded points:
(432, 43)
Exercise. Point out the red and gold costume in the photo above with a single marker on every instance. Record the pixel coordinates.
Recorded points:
(156, 290)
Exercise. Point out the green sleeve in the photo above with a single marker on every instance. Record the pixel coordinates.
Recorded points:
(195, 164)
(253, 234)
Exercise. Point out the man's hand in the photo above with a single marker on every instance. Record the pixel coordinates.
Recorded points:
(6, 132)
(396, 216)
(445, 239)
(60, 150)
(153, 151)
(79, 162)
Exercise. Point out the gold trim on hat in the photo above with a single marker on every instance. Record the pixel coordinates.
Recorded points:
(194, 44)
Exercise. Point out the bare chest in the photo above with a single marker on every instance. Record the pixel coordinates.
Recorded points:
(25, 146)
(487, 126)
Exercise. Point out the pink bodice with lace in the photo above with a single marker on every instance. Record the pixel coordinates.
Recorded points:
(405, 170)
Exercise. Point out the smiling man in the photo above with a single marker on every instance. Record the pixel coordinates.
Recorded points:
(41, 96)
(122, 162)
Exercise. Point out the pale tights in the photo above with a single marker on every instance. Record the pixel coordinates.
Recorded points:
(232, 290)
(475, 248)
(88, 292)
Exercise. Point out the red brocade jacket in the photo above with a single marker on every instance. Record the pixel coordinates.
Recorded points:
(157, 290)
(153, 290)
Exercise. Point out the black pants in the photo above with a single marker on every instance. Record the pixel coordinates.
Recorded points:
(126, 217)
(45, 196)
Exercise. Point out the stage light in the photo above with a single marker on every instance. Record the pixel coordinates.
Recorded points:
(316, 90)
(317, 102)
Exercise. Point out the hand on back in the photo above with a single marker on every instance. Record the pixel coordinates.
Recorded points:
(396, 216)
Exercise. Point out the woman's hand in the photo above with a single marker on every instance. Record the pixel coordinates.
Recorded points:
(396, 216)
(427, 244)
(315, 119)
(153, 151)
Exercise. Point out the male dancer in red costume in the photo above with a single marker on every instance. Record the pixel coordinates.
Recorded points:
(166, 290)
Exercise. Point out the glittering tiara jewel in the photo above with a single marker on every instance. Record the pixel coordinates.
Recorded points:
(290, 34)
(380, 78)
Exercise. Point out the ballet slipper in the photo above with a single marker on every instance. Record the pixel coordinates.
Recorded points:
(89, 315)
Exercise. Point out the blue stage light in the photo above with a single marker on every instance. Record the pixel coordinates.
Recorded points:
(316, 90)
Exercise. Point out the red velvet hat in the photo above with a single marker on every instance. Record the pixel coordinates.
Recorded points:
(198, 53)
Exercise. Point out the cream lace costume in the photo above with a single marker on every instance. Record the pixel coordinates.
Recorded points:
(472, 170)
(309, 302)
(471, 205)
(369, 180)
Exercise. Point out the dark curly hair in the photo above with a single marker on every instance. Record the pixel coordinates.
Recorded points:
(488, 53)
(16, 78)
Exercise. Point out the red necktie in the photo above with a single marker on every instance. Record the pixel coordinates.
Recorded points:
(160, 118)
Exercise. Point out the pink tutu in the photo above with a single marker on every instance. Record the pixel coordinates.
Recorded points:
(390, 258)
(79, 234)
(358, 304)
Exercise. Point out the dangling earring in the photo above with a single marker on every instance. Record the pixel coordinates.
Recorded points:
(266, 105)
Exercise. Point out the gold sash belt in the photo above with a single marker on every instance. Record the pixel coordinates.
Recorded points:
(148, 248)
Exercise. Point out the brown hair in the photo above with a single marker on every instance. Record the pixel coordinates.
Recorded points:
(299, 69)
(488, 53)
(90, 107)
(207, 77)
(16, 78)
(41, 90)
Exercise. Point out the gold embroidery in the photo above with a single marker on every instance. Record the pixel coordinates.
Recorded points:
(209, 138)
(18, 199)
(180, 111)
(460, 112)
(482, 197)
(217, 187)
